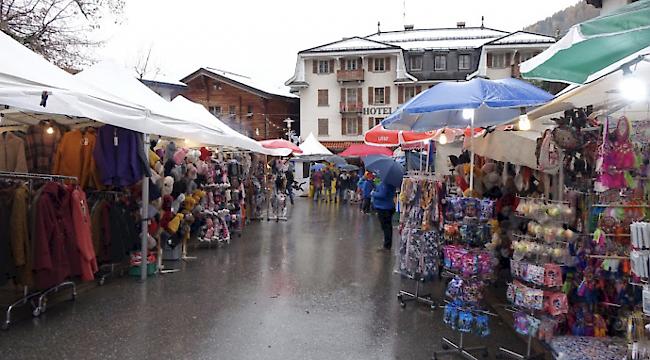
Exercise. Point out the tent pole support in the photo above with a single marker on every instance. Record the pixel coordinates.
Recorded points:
(471, 161)
(144, 213)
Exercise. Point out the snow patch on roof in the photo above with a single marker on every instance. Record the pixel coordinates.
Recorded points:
(280, 90)
(354, 43)
(439, 38)
(523, 37)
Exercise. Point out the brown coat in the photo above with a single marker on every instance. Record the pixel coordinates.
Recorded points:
(74, 157)
(12, 153)
(20, 241)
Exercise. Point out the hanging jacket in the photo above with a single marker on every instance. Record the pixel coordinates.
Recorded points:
(20, 242)
(7, 265)
(101, 231)
(80, 215)
(74, 157)
(39, 146)
(51, 266)
(12, 153)
(119, 156)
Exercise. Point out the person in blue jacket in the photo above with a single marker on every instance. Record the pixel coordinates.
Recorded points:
(383, 200)
(366, 186)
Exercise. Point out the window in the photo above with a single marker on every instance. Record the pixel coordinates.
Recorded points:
(380, 96)
(464, 62)
(380, 64)
(215, 110)
(232, 110)
(351, 126)
(323, 127)
(373, 121)
(351, 96)
(351, 64)
(415, 62)
(498, 61)
(440, 62)
(409, 93)
(249, 109)
(324, 67)
(323, 97)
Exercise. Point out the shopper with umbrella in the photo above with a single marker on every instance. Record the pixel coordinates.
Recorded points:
(391, 173)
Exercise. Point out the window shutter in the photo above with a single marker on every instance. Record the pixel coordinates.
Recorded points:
(371, 92)
(359, 97)
(342, 98)
(371, 123)
(387, 64)
(344, 127)
(387, 95)
(489, 60)
(359, 126)
(314, 66)
(418, 89)
(371, 64)
(331, 66)
(400, 94)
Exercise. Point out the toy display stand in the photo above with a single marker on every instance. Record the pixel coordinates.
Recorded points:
(404, 296)
(459, 349)
(511, 354)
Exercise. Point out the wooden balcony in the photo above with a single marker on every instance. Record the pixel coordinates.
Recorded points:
(351, 107)
(349, 75)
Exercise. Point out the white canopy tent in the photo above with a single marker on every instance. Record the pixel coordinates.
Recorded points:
(311, 146)
(200, 115)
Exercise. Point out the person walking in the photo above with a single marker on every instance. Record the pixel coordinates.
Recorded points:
(353, 184)
(366, 186)
(383, 200)
(290, 184)
(342, 186)
(317, 180)
(328, 177)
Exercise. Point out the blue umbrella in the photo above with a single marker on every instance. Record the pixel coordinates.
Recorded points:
(387, 169)
(317, 167)
(494, 102)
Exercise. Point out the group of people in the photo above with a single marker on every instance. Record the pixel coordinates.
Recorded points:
(372, 194)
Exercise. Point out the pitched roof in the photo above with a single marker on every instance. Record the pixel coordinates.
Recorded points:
(522, 37)
(348, 44)
(443, 38)
(238, 80)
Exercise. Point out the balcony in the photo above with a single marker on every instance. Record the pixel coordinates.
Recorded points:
(349, 75)
(351, 107)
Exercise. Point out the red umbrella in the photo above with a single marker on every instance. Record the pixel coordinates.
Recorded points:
(361, 150)
(281, 144)
(378, 136)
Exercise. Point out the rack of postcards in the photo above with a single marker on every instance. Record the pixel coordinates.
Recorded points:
(470, 266)
(540, 252)
(420, 227)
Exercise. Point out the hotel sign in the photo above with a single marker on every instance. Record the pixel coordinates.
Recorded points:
(386, 110)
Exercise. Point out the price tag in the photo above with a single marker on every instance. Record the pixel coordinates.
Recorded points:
(84, 142)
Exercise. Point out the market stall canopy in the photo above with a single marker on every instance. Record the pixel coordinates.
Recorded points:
(281, 144)
(379, 136)
(493, 102)
(499, 146)
(231, 138)
(361, 150)
(162, 117)
(590, 48)
(31, 84)
(312, 149)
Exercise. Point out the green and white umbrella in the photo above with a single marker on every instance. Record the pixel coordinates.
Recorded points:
(592, 47)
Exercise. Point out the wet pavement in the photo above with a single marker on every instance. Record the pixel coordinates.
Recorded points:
(311, 288)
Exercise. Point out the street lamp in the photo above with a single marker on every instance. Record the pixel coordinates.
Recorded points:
(289, 121)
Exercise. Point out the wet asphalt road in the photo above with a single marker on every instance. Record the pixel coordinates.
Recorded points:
(310, 288)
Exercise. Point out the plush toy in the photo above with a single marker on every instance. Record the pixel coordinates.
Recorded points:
(166, 185)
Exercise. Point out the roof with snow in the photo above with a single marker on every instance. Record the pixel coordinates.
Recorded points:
(443, 38)
(353, 43)
(522, 37)
(242, 81)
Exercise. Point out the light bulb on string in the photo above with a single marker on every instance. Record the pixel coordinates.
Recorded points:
(468, 114)
(50, 130)
(524, 122)
(632, 88)
(442, 140)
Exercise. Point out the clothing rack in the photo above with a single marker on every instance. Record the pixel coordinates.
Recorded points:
(28, 297)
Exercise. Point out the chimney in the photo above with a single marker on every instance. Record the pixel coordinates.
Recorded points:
(460, 24)
(409, 27)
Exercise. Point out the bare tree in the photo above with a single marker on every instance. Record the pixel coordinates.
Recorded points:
(144, 65)
(57, 29)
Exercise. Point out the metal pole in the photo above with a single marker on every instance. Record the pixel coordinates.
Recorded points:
(144, 212)
(471, 161)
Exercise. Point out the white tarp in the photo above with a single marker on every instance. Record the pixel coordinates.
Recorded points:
(198, 114)
(311, 146)
(514, 147)
(25, 75)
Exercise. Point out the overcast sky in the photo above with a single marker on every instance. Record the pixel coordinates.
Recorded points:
(260, 38)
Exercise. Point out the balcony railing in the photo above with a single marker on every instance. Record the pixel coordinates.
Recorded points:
(350, 75)
(351, 107)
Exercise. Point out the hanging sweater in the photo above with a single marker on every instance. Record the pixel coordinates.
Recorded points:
(12, 153)
(39, 146)
(120, 157)
(74, 157)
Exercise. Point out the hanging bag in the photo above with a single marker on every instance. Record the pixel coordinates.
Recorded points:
(548, 158)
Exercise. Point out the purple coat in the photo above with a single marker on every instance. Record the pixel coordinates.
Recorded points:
(119, 155)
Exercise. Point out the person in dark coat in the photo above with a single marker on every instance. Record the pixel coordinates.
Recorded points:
(383, 200)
